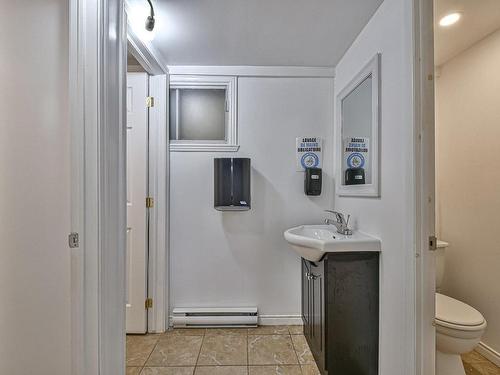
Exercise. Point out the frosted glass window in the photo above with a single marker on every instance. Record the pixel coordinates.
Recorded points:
(198, 114)
(203, 113)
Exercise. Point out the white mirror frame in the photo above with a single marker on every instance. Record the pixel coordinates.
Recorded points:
(373, 189)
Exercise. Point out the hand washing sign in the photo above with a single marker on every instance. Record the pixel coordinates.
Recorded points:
(309, 153)
(356, 160)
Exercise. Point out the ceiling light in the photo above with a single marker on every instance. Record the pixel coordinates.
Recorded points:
(138, 17)
(150, 21)
(450, 19)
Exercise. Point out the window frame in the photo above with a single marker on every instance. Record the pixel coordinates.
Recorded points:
(228, 83)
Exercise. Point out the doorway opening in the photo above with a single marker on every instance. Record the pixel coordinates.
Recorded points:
(467, 93)
(147, 171)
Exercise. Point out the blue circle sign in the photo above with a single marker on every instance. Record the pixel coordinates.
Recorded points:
(356, 160)
(309, 160)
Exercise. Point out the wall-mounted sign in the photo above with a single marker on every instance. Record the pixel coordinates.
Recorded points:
(309, 153)
(356, 161)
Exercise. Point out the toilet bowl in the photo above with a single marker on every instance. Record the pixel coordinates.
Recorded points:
(459, 328)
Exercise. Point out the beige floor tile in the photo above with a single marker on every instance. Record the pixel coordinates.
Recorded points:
(139, 348)
(139, 337)
(221, 370)
(223, 350)
(269, 330)
(310, 370)
(296, 330)
(176, 351)
(271, 350)
(226, 331)
(133, 370)
(302, 349)
(274, 370)
(183, 332)
(167, 371)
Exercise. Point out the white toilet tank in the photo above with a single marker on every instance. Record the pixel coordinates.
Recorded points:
(440, 253)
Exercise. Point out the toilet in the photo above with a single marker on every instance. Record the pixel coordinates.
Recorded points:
(459, 327)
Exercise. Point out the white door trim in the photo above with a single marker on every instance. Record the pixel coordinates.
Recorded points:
(158, 280)
(425, 185)
(97, 90)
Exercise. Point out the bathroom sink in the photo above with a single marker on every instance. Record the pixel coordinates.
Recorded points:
(311, 242)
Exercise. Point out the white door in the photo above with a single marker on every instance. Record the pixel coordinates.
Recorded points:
(137, 161)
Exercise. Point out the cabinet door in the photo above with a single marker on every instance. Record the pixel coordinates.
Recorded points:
(306, 313)
(317, 301)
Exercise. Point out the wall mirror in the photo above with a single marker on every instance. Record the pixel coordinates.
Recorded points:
(357, 133)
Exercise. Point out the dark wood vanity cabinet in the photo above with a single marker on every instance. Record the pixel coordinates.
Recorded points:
(340, 310)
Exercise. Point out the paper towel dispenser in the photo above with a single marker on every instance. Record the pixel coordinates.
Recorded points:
(232, 184)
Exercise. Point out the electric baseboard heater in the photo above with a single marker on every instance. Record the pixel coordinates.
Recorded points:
(215, 317)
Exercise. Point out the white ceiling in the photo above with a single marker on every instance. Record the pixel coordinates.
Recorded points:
(479, 18)
(258, 32)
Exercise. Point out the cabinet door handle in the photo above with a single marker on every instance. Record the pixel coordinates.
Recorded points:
(313, 276)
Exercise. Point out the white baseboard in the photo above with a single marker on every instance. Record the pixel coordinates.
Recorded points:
(280, 320)
(489, 353)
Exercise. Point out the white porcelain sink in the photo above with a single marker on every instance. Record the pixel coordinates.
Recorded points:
(311, 242)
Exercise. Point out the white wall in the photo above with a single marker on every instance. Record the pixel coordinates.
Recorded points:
(35, 189)
(468, 178)
(389, 217)
(241, 258)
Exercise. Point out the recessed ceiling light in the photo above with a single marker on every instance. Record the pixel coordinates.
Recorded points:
(450, 19)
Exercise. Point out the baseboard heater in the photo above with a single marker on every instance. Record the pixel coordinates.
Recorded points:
(215, 317)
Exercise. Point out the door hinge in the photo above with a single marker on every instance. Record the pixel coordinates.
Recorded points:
(150, 101)
(149, 202)
(432, 243)
(73, 240)
(149, 303)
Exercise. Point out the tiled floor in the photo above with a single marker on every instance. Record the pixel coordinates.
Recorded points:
(266, 350)
(476, 364)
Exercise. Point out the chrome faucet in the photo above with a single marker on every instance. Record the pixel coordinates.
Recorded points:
(340, 222)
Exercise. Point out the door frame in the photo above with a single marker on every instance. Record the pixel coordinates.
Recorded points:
(97, 113)
(97, 69)
(158, 178)
(424, 168)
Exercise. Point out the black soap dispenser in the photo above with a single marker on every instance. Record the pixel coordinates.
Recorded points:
(232, 184)
(312, 181)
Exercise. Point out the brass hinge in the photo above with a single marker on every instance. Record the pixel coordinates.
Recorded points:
(432, 243)
(150, 101)
(149, 202)
(149, 303)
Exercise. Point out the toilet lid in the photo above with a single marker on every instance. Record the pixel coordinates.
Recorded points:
(452, 311)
